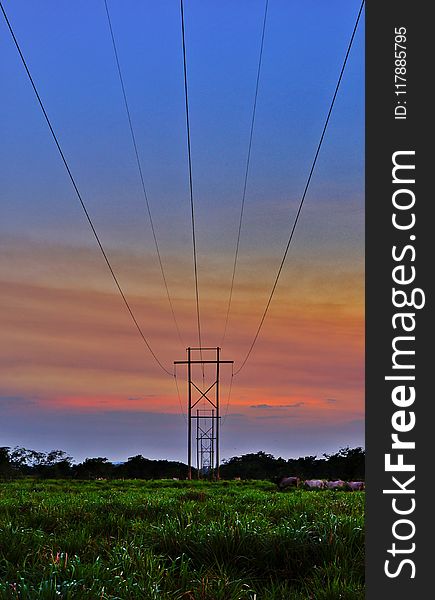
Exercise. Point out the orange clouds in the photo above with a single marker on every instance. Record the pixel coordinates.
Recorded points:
(68, 340)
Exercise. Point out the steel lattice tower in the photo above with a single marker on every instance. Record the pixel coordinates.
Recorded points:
(207, 420)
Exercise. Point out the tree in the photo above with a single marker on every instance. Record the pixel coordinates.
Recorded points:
(139, 467)
(6, 467)
(347, 463)
(57, 464)
(32, 462)
(259, 465)
(92, 468)
(26, 460)
(136, 467)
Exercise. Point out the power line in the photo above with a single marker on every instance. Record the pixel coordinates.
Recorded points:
(248, 160)
(189, 154)
(115, 279)
(139, 166)
(295, 222)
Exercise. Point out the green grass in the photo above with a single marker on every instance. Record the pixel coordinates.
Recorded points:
(179, 540)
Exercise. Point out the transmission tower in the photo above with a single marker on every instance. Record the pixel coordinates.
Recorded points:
(207, 420)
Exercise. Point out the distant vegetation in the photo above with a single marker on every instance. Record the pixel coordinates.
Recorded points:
(178, 540)
(347, 464)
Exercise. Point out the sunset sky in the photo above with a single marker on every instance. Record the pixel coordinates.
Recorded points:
(74, 373)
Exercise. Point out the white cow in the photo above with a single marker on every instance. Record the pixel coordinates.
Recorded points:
(356, 486)
(288, 482)
(312, 484)
(334, 485)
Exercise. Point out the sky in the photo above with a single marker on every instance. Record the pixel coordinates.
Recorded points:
(74, 373)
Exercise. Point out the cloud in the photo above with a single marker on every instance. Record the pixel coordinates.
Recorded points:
(274, 417)
(266, 406)
(16, 401)
(71, 357)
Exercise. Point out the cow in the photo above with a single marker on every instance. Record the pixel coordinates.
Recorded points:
(288, 482)
(356, 486)
(335, 485)
(313, 484)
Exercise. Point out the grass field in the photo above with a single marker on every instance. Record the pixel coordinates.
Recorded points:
(155, 540)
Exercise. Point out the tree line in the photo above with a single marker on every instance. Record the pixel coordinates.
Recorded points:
(347, 463)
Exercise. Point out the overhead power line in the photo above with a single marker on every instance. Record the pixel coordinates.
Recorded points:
(85, 210)
(248, 160)
(307, 184)
(189, 156)
(139, 166)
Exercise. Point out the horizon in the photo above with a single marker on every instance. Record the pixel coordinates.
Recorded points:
(74, 461)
